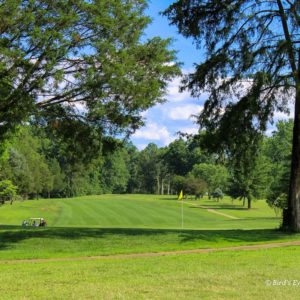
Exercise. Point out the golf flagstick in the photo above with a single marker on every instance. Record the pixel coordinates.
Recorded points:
(180, 197)
(182, 213)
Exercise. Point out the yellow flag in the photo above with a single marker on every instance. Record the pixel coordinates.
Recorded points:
(180, 197)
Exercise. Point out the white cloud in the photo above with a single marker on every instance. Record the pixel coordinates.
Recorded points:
(189, 130)
(144, 113)
(270, 131)
(184, 112)
(153, 132)
(141, 146)
(281, 115)
(284, 116)
(173, 93)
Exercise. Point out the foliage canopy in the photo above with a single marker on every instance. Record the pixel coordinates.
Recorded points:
(251, 70)
(80, 63)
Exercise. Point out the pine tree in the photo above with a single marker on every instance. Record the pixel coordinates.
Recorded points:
(251, 70)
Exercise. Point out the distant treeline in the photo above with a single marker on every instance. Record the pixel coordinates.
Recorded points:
(42, 166)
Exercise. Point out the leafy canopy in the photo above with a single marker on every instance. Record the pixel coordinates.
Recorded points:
(250, 68)
(79, 62)
(216, 176)
(7, 190)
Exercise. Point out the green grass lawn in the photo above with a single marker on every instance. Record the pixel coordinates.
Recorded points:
(120, 224)
(139, 211)
(113, 224)
(220, 275)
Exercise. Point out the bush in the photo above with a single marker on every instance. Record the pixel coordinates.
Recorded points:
(279, 203)
(7, 191)
(217, 194)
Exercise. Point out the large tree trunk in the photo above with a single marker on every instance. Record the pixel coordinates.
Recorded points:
(162, 186)
(249, 203)
(158, 185)
(291, 216)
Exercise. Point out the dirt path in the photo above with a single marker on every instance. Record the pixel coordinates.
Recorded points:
(215, 211)
(153, 254)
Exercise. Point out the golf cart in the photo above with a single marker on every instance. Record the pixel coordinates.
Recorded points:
(34, 222)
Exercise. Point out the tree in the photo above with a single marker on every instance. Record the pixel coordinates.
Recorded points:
(278, 149)
(80, 64)
(29, 168)
(218, 194)
(83, 179)
(7, 191)
(189, 185)
(178, 183)
(252, 69)
(194, 186)
(58, 178)
(20, 172)
(216, 176)
(177, 157)
(114, 173)
(132, 167)
(249, 173)
(149, 170)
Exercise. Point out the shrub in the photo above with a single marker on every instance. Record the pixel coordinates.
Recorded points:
(7, 190)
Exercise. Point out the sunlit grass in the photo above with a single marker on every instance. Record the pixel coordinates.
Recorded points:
(113, 224)
(123, 224)
(223, 275)
(140, 211)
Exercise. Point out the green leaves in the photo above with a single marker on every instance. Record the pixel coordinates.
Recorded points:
(245, 42)
(279, 150)
(83, 59)
(7, 190)
(216, 176)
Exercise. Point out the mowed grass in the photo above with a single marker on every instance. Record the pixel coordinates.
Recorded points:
(140, 211)
(115, 224)
(121, 224)
(220, 275)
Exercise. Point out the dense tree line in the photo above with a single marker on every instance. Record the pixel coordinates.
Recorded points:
(82, 72)
(41, 165)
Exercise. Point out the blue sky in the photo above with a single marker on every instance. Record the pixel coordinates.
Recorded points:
(163, 121)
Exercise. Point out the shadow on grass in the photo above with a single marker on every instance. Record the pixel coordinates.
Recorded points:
(14, 234)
